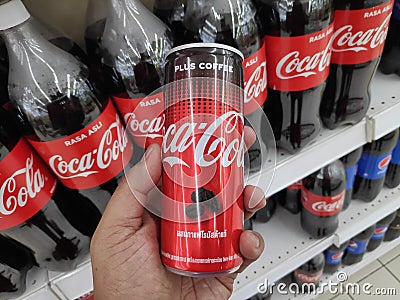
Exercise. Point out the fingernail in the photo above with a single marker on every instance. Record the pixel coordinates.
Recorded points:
(148, 153)
(256, 240)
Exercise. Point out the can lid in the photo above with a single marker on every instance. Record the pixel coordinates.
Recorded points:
(206, 45)
(12, 13)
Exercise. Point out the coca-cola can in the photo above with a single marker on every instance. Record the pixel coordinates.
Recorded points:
(203, 160)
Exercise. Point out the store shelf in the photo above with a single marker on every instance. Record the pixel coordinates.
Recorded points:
(37, 285)
(290, 246)
(362, 215)
(384, 111)
(382, 118)
(287, 247)
(368, 258)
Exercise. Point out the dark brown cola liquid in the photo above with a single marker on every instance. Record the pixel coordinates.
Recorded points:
(294, 116)
(56, 244)
(15, 261)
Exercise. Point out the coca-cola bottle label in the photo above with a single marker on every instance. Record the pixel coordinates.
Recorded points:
(144, 118)
(396, 155)
(360, 34)
(298, 63)
(356, 247)
(305, 277)
(26, 185)
(255, 80)
(333, 258)
(323, 206)
(379, 232)
(350, 177)
(295, 186)
(91, 156)
(373, 166)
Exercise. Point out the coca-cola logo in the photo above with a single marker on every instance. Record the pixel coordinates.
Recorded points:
(14, 194)
(151, 128)
(310, 278)
(344, 39)
(112, 144)
(384, 162)
(294, 64)
(179, 138)
(257, 83)
(324, 206)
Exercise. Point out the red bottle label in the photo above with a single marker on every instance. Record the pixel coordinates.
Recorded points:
(295, 186)
(323, 206)
(298, 63)
(91, 156)
(304, 277)
(360, 34)
(144, 118)
(255, 80)
(203, 179)
(26, 185)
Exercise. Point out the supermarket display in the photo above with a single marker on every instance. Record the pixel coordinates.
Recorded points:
(372, 167)
(298, 55)
(357, 247)
(231, 23)
(350, 162)
(333, 258)
(380, 231)
(310, 272)
(390, 62)
(265, 214)
(15, 262)
(393, 232)
(74, 128)
(357, 44)
(392, 178)
(290, 198)
(322, 198)
(203, 165)
(134, 46)
(54, 197)
(29, 211)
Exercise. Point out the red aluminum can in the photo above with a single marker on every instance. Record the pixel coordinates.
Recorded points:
(203, 160)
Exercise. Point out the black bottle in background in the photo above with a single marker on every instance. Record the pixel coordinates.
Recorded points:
(290, 198)
(380, 230)
(15, 262)
(333, 258)
(393, 231)
(355, 251)
(35, 220)
(350, 162)
(392, 178)
(372, 167)
(310, 272)
(322, 198)
(265, 214)
(390, 62)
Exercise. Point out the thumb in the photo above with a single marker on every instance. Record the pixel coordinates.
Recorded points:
(126, 203)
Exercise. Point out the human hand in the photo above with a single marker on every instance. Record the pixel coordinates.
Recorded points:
(125, 249)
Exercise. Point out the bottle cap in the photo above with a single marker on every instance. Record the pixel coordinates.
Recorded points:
(12, 13)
